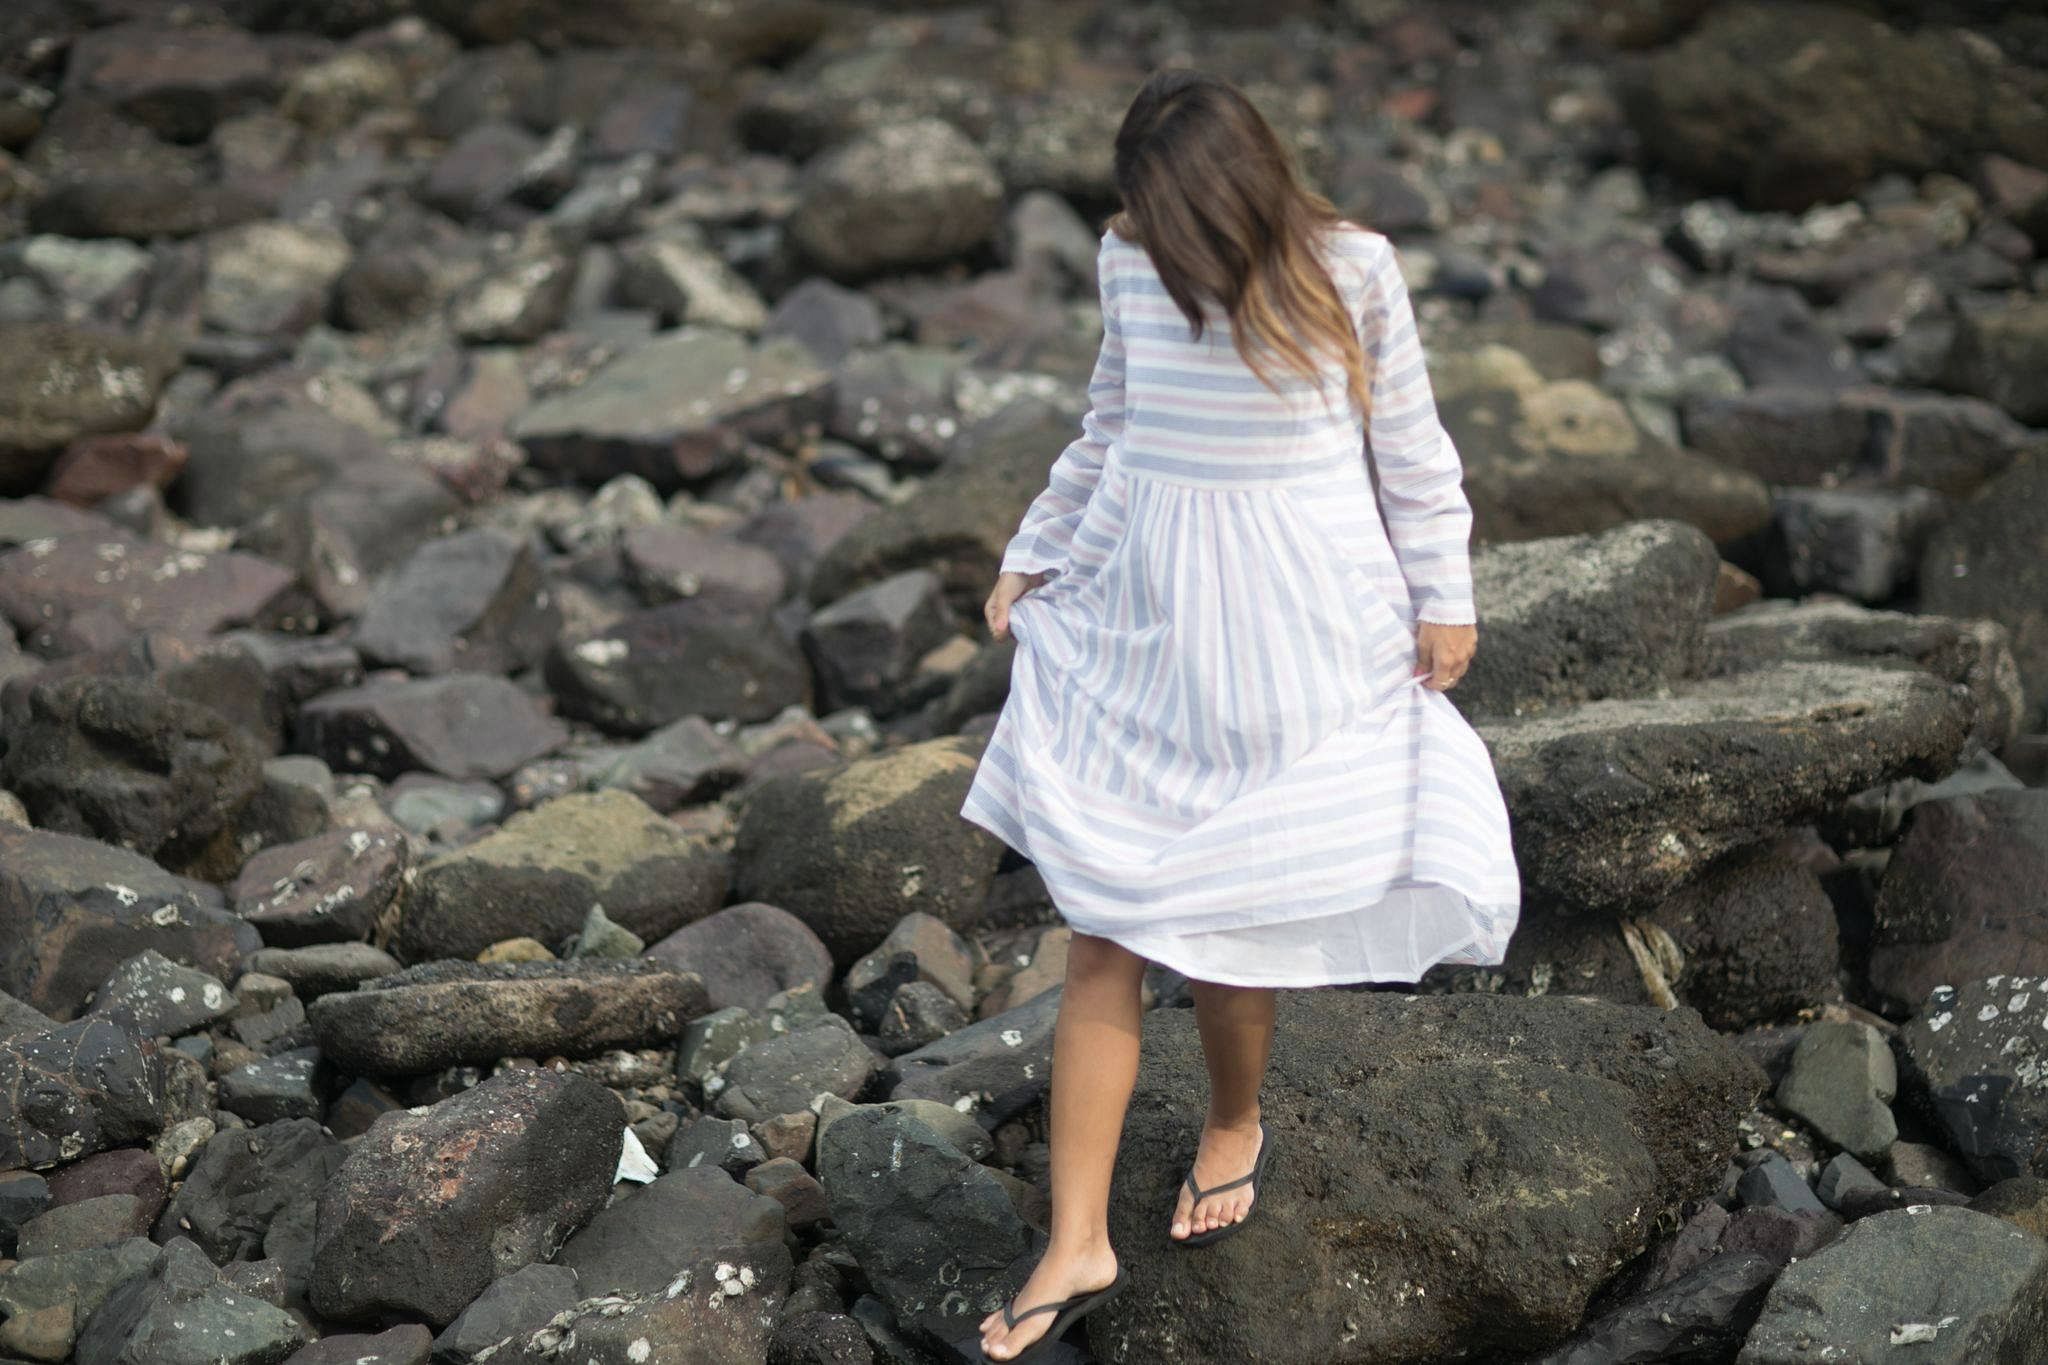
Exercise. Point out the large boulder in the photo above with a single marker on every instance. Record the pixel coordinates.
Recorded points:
(1784, 745)
(432, 1206)
(539, 875)
(72, 910)
(443, 1014)
(1502, 1159)
(850, 850)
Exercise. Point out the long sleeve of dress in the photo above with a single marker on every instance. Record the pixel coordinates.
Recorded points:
(1421, 478)
(1045, 537)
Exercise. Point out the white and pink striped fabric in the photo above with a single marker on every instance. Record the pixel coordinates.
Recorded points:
(1216, 749)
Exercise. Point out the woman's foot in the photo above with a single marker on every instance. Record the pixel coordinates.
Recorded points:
(1060, 1274)
(1226, 1152)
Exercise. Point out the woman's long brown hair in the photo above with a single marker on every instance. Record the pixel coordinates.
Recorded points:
(1213, 196)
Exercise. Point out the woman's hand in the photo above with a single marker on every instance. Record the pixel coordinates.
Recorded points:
(1009, 587)
(1444, 652)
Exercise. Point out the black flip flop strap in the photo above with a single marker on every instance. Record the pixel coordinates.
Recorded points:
(1055, 1306)
(1201, 1193)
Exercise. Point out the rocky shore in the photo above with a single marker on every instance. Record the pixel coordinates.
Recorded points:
(495, 498)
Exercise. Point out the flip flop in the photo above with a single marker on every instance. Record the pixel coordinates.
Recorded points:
(1197, 1239)
(1070, 1310)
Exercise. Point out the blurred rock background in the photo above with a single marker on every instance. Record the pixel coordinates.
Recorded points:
(495, 499)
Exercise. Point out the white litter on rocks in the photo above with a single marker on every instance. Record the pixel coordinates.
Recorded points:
(634, 1163)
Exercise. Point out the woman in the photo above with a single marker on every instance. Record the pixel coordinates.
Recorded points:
(1226, 747)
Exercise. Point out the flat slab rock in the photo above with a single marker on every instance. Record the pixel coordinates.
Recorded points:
(1672, 783)
(452, 1013)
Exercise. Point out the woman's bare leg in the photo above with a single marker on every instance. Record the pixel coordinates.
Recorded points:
(1236, 1024)
(1094, 1066)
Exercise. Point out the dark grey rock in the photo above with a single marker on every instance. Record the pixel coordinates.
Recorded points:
(784, 1073)
(1973, 1059)
(121, 760)
(102, 1221)
(668, 562)
(993, 1068)
(935, 1233)
(666, 411)
(23, 1195)
(160, 997)
(409, 1344)
(453, 1013)
(1986, 561)
(76, 1090)
(1808, 736)
(60, 382)
(900, 195)
(1955, 904)
(828, 319)
(918, 1014)
(1959, 1286)
(688, 658)
(1774, 1183)
(460, 725)
(1841, 1084)
(81, 592)
(74, 909)
(688, 1217)
(242, 1179)
(1861, 543)
(474, 601)
(518, 1304)
(181, 1312)
(1632, 1108)
(48, 1300)
(745, 953)
(429, 1208)
(724, 1144)
(330, 888)
(320, 968)
(1705, 1311)
(275, 1088)
(867, 644)
(1995, 352)
(680, 764)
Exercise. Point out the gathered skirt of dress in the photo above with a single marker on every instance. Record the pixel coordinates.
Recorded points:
(1216, 750)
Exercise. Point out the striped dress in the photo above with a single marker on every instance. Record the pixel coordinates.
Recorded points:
(1216, 748)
